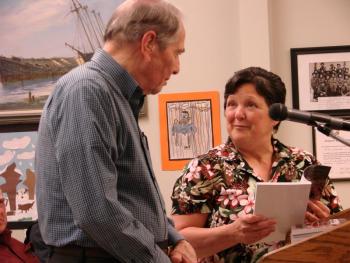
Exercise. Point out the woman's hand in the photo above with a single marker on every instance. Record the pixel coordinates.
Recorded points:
(316, 211)
(251, 228)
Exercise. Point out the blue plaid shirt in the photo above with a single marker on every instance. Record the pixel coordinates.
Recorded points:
(95, 182)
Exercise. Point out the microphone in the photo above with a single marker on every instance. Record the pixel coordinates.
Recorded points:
(280, 112)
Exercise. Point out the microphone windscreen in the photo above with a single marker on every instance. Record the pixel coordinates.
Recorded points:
(278, 112)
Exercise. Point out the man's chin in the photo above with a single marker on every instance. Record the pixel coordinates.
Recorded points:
(156, 90)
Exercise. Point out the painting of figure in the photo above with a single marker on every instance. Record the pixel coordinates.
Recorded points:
(189, 126)
(17, 174)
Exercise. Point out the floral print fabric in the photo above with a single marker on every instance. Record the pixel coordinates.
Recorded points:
(221, 184)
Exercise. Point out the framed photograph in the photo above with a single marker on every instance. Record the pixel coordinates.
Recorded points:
(333, 153)
(55, 37)
(17, 173)
(321, 79)
(189, 126)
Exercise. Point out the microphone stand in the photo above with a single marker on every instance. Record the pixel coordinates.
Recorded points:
(331, 133)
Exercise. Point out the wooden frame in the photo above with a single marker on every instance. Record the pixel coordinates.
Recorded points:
(321, 79)
(189, 126)
(17, 179)
(332, 153)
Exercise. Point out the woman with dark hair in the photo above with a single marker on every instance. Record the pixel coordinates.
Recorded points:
(213, 200)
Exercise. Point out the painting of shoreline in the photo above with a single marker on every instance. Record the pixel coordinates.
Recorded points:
(25, 84)
(43, 40)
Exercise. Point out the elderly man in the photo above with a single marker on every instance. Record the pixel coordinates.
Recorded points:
(98, 198)
(11, 250)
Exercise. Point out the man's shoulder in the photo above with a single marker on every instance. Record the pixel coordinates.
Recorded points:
(82, 73)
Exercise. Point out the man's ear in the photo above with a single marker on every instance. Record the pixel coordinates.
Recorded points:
(148, 43)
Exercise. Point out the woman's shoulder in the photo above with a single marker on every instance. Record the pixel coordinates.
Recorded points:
(211, 164)
(292, 151)
(219, 153)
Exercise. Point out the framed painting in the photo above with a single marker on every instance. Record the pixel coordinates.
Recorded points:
(321, 79)
(55, 37)
(17, 173)
(333, 153)
(189, 126)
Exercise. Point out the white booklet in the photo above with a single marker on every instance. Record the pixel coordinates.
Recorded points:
(285, 202)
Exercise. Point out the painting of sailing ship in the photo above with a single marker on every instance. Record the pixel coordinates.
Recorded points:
(42, 40)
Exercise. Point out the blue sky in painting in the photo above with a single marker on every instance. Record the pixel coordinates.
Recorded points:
(40, 28)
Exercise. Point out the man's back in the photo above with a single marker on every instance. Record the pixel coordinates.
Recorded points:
(89, 144)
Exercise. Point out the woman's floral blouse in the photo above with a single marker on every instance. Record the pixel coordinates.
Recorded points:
(221, 184)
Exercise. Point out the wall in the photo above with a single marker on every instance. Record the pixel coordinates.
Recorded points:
(222, 38)
(210, 59)
(293, 26)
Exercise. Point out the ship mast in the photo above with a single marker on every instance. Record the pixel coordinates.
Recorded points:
(91, 24)
(92, 29)
(76, 9)
(98, 22)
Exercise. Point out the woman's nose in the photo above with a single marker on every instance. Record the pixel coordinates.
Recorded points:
(239, 113)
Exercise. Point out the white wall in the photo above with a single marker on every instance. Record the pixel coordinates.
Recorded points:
(300, 23)
(224, 36)
(210, 59)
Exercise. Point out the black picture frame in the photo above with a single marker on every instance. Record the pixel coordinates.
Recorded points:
(317, 92)
(18, 127)
(333, 153)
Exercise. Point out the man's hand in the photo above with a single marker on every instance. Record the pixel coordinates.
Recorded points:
(183, 252)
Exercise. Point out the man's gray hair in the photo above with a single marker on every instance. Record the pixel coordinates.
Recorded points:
(128, 24)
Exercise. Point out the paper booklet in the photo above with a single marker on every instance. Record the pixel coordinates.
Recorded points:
(285, 202)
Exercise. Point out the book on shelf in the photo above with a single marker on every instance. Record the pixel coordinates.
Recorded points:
(302, 232)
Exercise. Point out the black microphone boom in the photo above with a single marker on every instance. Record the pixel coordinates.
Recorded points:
(280, 112)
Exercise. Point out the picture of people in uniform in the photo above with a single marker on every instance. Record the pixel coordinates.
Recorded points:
(329, 79)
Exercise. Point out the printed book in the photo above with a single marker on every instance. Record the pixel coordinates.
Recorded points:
(299, 233)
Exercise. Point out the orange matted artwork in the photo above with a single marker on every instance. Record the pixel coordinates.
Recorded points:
(189, 126)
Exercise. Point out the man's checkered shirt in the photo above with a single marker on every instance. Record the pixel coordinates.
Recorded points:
(95, 183)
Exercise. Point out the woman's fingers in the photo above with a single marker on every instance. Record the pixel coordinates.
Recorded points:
(318, 209)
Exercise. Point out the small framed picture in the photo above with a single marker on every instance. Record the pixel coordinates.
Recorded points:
(333, 153)
(17, 173)
(189, 126)
(321, 79)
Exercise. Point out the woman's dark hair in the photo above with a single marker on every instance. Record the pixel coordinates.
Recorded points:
(267, 84)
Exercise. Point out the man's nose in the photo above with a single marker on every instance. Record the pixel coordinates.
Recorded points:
(176, 67)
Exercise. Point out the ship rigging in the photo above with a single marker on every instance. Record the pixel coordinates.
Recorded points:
(89, 25)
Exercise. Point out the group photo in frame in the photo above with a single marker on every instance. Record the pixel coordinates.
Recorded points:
(189, 126)
(17, 173)
(321, 79)
(333, 153)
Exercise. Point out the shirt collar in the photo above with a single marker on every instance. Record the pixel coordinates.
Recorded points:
(126, 83)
